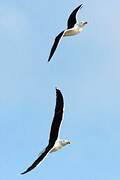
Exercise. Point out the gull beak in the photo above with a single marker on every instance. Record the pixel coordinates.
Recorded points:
(69, 142)
(85, 23)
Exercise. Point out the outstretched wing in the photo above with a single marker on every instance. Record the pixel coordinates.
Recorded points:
(53, 132)
(72, 18)
(39, 159)
(55, 44)
(57, 118)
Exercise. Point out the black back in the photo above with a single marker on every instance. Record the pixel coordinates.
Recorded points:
(72, 18)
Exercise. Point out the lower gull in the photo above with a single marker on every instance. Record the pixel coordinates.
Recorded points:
(54, 143)
(73, 28)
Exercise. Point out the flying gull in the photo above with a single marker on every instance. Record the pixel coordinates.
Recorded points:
(73, 28)
(54, 143)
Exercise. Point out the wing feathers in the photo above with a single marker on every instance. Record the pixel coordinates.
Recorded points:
(53, 132)
(38, 160)
(72, 18)
(55, 44)
(57, 117)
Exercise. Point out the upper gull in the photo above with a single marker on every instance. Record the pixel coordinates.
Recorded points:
(73, 28)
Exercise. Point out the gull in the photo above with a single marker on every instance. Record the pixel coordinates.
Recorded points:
(73, 28)
(54, 143)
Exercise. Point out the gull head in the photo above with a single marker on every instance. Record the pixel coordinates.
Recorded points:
(82, 24)
(65, 142)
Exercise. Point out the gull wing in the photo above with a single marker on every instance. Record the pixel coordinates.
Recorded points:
(72, 18)
(53, 132)
(57, 118)
(38, 160)
(55, 44)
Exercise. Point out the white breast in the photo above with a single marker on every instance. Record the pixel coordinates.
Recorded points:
(57, 146)
(73, 31)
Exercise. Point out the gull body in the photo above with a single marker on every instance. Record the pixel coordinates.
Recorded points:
(73, 28)
(59, 144)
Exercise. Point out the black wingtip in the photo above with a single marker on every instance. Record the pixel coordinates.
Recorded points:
(80, 6)
(57, 89)
(49, 59)
(21, 173)
(59, 94)
(24, 172)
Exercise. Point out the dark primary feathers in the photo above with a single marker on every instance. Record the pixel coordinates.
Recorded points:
(55, 44)
(57, 117)
(53, 132)
(72, 18)
(38, 160)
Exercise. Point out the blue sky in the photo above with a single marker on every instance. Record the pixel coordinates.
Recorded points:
(86, 69)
